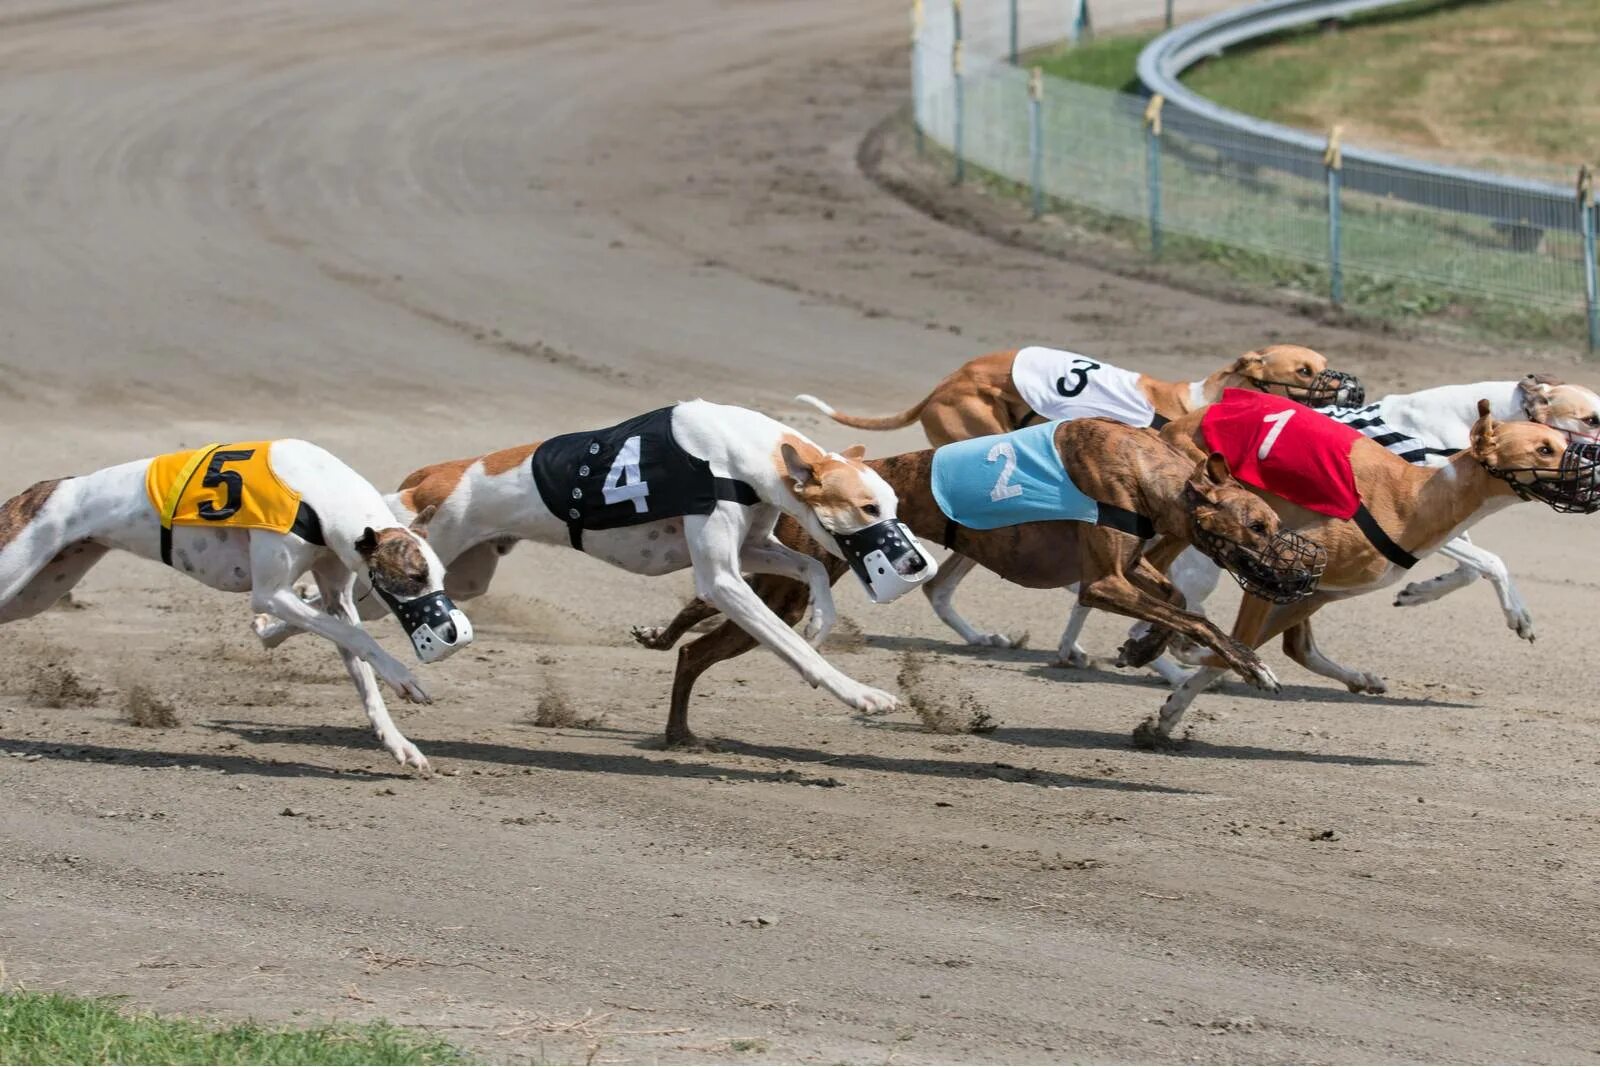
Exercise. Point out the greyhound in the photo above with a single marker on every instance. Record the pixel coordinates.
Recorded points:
(248, 517)
(696, 485)
(1138, 485)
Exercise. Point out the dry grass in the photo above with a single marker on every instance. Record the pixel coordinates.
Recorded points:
(55, 686)
(938, 715)
(141, 707)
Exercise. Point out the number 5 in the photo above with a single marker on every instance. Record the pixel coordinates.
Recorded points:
(216, 476)
(1281, 419)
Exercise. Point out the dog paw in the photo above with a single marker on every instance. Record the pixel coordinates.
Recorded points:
(1073, 657)
(870, 701)
(652, 637)
(1412, 595)
(1367, 683)
(1148, 736)
(270, 630)
(1522, 623)
(405, 683)
(997, 640)
(405, 753)
(819, 624)
(1260, 675)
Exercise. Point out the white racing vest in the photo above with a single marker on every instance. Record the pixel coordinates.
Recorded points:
(1065, 385)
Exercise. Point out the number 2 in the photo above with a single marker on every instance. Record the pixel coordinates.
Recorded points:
(1003, 489)
(216, 476)
(1281, 419)
(624, 482)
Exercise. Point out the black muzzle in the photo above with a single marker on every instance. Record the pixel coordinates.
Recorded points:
(1331, 388)
(887, 558)
(1573, 487)
(1287, 569)
(437, 627)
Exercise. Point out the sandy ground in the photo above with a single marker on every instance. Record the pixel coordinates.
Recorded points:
(412, 231)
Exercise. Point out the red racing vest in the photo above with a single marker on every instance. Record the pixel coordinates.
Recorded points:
(1286, 449)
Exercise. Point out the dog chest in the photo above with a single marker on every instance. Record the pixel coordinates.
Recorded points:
(988, 482)
(1286, 449)
(629, 474)
(1065, 385)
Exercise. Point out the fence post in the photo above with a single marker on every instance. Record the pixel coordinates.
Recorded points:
(916, 73)
(1080, 24)
(961, 109)
(1036, 138)
(1013, 32)
(1591, 291)
(1333, 161)
(1169, 14)
(1152, 155)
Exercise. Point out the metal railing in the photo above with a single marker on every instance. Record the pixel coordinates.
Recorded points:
(1365, 226)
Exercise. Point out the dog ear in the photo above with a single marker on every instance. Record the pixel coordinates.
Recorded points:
(425, 516)
(1536, 390)
(1250, 361)
(367, 544)
(1201, 480)
(855, 452)
(800, 460)
(1216, 469)
(1483, 432)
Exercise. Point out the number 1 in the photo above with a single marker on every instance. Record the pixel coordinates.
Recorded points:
(1281, 419)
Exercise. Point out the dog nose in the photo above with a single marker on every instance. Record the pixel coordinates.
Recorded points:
(447, 632)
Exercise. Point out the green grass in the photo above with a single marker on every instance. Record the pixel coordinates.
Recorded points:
(38, 1028)
(1108, 62)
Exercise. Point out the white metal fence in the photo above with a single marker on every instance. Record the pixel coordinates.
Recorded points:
(1177, 173)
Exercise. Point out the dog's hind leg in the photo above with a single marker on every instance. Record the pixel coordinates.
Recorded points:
(64, 570)
(941, 590)
(1068, 652)
(335, 586)
(661, 638)
(1300, 646)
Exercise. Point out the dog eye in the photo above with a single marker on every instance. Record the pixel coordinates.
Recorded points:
(1305, 372)
(1593, 420)
(1258, 527)
(1546, 450)
(872, 510)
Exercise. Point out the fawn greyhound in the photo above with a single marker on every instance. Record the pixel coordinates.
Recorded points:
(1375, 514)
(248, 517)
(1137, 486)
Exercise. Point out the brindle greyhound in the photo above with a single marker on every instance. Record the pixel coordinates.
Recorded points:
(1420, 508)
(1133, 471)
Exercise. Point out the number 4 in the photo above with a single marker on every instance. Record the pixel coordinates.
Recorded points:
(623, 481)
(1281, 419)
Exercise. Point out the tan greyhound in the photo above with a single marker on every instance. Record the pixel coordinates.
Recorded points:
(1131, 473)
(1405, 512)
(1004, 391)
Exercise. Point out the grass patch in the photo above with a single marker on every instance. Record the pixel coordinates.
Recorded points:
(1468, 79)
(55, 686)
(38, 1028)
(1109, 62)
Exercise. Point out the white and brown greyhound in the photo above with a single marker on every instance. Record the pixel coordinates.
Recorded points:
(1404, 512)
(245, 518)
(696, 485)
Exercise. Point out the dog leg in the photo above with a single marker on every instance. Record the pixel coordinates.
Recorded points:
(1474, 563)
(1068, 652)
(714, 541)
(336, 589)
(941, 590)
(1300, 646)
(272, 631)
(54, 581)
(661, 638)
(775, 557)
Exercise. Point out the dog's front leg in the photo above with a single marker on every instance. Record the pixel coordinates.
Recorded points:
(941, 591)
(714, 542)
(336, 589)
(1473, 563)
(772, 556)
(272, 631)
(1300, 646)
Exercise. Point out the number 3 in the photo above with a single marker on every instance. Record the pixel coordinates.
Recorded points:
(1080, 371)
(1281, 419)
(216, 476)
(1003, 489)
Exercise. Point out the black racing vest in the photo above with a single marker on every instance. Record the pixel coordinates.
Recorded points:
(626, 475)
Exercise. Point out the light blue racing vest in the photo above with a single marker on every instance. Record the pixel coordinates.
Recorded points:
(1008, 479)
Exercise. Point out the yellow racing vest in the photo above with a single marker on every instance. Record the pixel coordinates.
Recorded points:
(224, 485)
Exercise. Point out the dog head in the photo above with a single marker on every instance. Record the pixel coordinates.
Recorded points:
(1572, 409)
(1242, 534)
(408, 576)
(848, 507)
(1299, 373)
(1539, 462)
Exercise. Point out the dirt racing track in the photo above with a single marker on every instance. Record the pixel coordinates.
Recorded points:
(410, 232)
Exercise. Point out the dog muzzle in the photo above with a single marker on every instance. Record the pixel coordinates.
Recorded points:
(888, 559)
(1574, 487)
(437, 628)
(1287, 569)
(1331, 388)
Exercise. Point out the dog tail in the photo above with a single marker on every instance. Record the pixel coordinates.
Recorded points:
(868, 422)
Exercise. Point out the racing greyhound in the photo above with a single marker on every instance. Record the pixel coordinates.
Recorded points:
(248, 517)
(1375, 513)
(1005, 391)
(1137, 486)
(694, 485)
